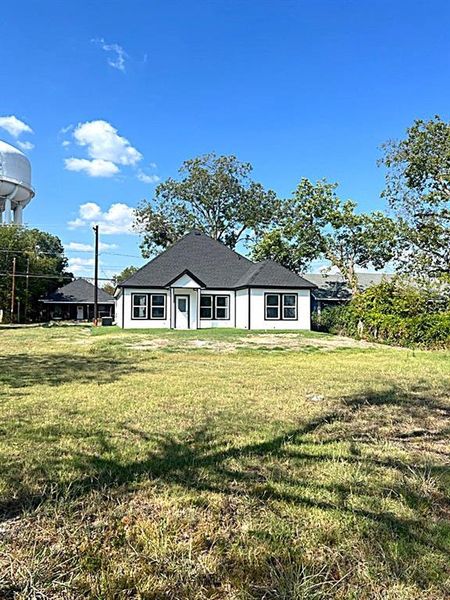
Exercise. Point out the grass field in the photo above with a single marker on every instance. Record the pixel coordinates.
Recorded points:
(221, 465)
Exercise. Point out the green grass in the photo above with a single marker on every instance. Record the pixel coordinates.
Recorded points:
(221, 464)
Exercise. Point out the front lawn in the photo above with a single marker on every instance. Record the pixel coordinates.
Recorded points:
(221, 464)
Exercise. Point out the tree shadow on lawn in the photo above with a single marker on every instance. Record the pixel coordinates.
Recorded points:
(26, 370)
(202, 461)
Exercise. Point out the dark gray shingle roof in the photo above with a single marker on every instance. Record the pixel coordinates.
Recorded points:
(214, 264)
(80, 291)
(272, 274)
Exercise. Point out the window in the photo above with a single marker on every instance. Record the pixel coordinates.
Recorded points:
(222, 307)
(139, 306)
(281, 307)
(289, 306)
(272, 306)
(148, 306)
(215, 307)
(157, 306)
(206, 307)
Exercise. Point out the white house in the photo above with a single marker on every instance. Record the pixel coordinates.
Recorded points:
(199, 282)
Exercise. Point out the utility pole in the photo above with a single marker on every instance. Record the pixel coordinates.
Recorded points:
(13, 289)
(95, 228)
(27, 284)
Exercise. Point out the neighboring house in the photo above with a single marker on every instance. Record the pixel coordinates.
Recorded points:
(75, 302)
(332, 289)
(199, 282)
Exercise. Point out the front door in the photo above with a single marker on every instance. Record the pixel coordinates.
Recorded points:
(80, 313)
(181, 312)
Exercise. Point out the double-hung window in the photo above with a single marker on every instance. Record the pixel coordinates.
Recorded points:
(280, 307)
(206, 307)
(139, 306)
(148, 306)
(214, 307)
(222, 307)
(289, 307)
(157, 306)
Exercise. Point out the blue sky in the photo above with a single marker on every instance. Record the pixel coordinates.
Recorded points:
(119, 94)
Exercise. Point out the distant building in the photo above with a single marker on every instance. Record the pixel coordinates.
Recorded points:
(332, 289)
(75, 302)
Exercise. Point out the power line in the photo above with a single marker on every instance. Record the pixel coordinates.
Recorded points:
(36, 251)
(44, 276)
(118, 254)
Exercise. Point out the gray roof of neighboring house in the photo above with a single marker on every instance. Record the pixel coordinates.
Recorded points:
(332, 286)
(79, 291)
(213, 264)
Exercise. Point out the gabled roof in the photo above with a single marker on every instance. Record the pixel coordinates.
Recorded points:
(79, 291)
(214, 265)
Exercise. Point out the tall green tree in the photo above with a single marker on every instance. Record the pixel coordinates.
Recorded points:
(418, 188)
(38, 253)
(116, 279)
(214, 194)
(316, 224)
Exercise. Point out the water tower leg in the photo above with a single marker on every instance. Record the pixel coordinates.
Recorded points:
(8, 211)
(18, 214)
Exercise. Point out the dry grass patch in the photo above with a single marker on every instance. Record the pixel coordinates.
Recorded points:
(187, 472)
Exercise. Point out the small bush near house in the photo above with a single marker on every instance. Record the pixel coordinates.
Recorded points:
(393, 312)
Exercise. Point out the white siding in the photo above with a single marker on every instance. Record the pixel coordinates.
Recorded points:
(258, 321)
(185, 281)
(119, 299)
(238, 309)
(242, 309)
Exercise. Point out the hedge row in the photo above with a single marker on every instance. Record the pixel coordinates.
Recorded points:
(393, 314)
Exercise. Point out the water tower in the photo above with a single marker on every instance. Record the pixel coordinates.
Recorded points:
(15, 184)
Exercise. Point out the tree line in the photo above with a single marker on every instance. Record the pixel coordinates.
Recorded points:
(217, 195)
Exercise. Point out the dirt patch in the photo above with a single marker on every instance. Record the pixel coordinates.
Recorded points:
(153, 344)
(265, 341)
(294, 341)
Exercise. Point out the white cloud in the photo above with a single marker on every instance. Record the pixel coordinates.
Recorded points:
(116, 54)
(80, 265)
(147, 178)
(152, 165)
(25, 145)
(93, 168)
(118, 218)
(80, 247)
(65, 130)
(104, 143)
(14, 126)
(65, 143)
(90, 211)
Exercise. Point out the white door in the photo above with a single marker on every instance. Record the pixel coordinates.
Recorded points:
(80, 313)
(182, 312)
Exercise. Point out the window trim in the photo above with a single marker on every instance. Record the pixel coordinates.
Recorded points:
(278, 306)
(133, 306)
(214, 307)
(226, 307)
(151, 306)
(281, 306)
(148, 307)
(211, 318)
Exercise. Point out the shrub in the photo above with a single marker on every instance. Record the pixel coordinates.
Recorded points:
(393, 312)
